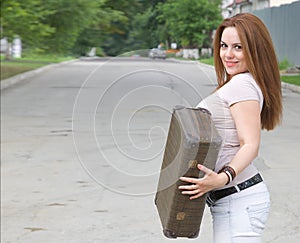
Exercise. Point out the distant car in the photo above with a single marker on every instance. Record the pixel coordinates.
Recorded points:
(157, 53)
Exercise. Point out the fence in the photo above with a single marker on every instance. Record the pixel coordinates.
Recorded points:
(283, 23)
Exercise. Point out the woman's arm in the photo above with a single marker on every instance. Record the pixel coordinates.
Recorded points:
(246, 115)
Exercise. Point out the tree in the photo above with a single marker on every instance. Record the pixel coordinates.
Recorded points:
(74, 26)
(138, 32)
(58, 26)
(190, 22)
(145, 30)
(26, 19)
(69, 19)
(115, 40)
(93, 33)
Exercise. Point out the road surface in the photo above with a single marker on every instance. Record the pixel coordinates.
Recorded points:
(82, 145)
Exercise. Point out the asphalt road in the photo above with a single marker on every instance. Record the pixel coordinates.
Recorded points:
(82, 145)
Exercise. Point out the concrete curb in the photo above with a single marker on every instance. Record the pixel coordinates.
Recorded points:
(183, 61)
(6, 83)
(291, 87)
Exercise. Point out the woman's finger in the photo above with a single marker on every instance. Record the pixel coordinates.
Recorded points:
(197, 195)
(191, 192)
(189, 179)
(188, 187)
(204, 169)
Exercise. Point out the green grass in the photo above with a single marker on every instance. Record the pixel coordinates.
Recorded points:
(9, 69)
(45, 58)
(209, 61)
(27, 63)
(295, 79)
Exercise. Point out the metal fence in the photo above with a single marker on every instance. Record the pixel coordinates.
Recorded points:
(283, 23)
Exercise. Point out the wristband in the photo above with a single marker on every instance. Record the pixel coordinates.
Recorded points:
(229, 171)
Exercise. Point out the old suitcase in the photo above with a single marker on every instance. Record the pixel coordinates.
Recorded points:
(192, 139)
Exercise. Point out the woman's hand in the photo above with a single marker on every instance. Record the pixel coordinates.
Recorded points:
(199, 186)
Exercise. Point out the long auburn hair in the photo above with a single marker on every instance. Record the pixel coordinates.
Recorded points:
(262, 63)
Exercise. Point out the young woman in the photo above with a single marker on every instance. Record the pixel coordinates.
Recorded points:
(247, 99)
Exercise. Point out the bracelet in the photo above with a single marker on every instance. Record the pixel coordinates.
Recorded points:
(229, 171)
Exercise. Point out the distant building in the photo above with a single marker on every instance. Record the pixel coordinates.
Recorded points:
(243, 6)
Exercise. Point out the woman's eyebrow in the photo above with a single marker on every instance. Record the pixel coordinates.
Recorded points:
(238, 43)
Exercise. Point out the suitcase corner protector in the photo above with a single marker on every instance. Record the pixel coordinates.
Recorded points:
(169, 234)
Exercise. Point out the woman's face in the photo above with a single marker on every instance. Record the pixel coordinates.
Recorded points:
(231, 52)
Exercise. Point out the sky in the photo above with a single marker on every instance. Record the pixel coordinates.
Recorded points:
(274, 3)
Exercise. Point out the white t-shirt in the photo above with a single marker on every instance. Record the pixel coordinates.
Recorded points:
(241, 87)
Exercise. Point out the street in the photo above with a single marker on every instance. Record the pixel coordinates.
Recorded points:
(82, 145)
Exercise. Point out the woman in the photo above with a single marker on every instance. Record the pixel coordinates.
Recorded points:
(247, 99)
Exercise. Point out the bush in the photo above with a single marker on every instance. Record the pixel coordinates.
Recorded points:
(99, 52)
(284, 64)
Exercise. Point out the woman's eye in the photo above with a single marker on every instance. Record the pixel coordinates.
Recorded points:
(223, 45)
(238, 47)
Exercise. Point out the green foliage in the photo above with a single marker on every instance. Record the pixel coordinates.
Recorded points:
(95, 35)
(114, 41)
(70, 18)
(284, 64)
(25, 18)
(75, 26)
(59, 26)
(141, 34)
(190, 22)
(100, 52)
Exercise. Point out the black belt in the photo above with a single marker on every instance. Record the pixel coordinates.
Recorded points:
(213, 196)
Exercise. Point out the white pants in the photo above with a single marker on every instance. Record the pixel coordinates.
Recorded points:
(241, 217)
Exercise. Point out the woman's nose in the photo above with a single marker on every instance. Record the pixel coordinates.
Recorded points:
(229, 53)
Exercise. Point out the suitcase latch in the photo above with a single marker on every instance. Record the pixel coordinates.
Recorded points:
(180, 216)
(193, 164)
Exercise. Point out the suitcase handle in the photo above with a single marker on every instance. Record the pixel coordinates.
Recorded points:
(204, 110)
(181, 107)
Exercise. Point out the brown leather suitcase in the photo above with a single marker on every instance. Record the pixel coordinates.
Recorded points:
(192, 139)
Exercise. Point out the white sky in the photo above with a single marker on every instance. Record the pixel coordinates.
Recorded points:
(274, 3)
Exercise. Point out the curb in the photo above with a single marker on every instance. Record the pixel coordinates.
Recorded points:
(6, 83)
(191, 61)
(291, 87)
(206, 65)
(183, 61)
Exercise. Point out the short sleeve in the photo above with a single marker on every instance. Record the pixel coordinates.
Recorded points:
(241, 87)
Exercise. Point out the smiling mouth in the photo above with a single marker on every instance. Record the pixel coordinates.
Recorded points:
(230, 64)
